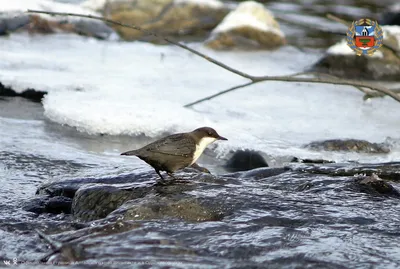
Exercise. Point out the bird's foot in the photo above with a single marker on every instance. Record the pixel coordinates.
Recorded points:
(163, 182)
(173, 180)
(171, 175)
(178, 180)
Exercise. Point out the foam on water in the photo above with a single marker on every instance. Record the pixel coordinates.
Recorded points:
(139, 88)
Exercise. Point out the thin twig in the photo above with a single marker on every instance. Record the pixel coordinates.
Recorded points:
(220, 93)
(292, 78)
(253, 79)
(331, 76)
(337, 19)
(374, 94)
(332, 81)
(309, 26)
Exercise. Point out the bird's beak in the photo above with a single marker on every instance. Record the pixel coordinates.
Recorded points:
(222, 138)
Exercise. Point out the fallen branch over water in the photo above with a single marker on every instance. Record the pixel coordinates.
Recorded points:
(253, 79)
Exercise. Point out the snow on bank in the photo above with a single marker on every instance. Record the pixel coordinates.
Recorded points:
(95, 113)
(251, 14)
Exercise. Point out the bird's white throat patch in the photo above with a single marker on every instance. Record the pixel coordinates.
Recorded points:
(204, 142)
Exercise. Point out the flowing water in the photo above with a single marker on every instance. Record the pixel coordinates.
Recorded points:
(105, 97)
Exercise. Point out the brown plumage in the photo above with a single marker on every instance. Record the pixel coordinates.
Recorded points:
(176, 151)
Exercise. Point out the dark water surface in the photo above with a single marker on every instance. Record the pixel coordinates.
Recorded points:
(274, 222)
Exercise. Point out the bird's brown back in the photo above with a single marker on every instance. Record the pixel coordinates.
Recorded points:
(170, 153)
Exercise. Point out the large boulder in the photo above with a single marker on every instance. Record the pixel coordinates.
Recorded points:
(387, 171)
(244, 160)
(249, 26)
(391, 16)
(375, 185)
(340, 60)
(351, 145)
(165, 17)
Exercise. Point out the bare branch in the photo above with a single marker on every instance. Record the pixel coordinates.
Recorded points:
(293, 78)
(253, 79)
(374, 94)
(348, 82)
(332, 76)
(220, 93)
(337, 19)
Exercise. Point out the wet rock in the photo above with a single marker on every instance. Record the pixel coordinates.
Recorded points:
(391, 16)
(36, 205)
(69, 187)
(249, 26)
(95, 201)
(375, 185)
(341, 61)
(98, 198)
(351, 145)
(94, 29)
(13, 19)
(388, 171)
(31, 94)
(166, 17)
(189, 209)
(297, 160)
(45, 204)
(257, 173)
(59, 204)
(261, 173)
(243, 160)
(85, 27)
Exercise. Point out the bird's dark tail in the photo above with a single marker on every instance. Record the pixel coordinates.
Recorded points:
(131, 152)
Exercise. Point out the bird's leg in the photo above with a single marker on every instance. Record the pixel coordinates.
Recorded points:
(163, 181)
(158, 173)
(171, 175)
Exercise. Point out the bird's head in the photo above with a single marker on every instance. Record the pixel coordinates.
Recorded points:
(207, 135)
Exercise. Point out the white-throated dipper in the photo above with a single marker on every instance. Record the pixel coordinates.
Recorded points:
(176, 151)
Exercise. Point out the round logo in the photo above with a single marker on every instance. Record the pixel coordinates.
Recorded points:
(364, 37)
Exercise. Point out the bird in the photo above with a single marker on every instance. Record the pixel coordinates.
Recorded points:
(177, 151)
